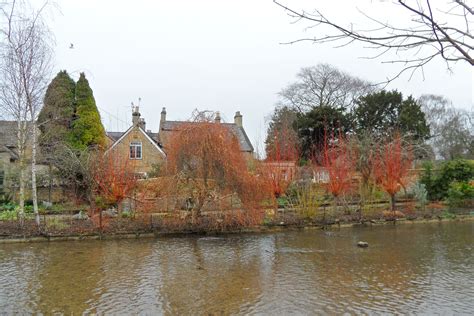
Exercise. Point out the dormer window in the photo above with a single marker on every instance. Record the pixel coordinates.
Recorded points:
(136, 150)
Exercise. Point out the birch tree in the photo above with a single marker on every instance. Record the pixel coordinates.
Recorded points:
(25, 70)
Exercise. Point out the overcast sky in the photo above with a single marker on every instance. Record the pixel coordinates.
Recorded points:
(214, 55)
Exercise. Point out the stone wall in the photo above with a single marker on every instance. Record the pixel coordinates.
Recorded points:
(151, 156)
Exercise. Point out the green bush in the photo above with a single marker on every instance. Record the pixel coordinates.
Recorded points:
(282, 201)
(8, 206)
(448, 215)
(428, 180)
(437, 185)
(8, 215)
(460, 194)
(29, 209)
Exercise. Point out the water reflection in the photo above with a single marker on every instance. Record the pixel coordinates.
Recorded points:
(406, 269)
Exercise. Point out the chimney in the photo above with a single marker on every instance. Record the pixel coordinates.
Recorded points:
(163, 117)
(142, 124)
(238, 119)
(217, 119)
(135, 115)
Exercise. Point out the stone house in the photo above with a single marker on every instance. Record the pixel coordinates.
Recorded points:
(8, 153)
(137, 144)
(147, 150)
(167, 128)
(9, 161)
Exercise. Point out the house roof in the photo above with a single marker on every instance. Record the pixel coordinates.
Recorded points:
(238, 131)
(147, 135)
(117, 135)
(8, 133)
(8, 138)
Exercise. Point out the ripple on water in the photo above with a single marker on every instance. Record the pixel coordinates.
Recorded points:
(423, 269)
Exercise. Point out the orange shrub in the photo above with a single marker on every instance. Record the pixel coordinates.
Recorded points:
(206, 163)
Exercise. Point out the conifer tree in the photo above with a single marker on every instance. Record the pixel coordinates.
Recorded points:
(87, 129)
(55, 117)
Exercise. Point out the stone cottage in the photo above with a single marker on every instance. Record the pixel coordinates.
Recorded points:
(9, 162)
(146, 149)
(137, 144)
(8, 152)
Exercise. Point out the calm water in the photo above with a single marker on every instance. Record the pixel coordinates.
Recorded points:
(422, 269)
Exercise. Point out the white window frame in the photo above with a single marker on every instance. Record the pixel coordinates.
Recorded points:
(135, 145)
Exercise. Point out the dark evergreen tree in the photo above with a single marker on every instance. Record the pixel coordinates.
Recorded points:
(55, 117)
(317, 126)
(384, 112)
(87, 129)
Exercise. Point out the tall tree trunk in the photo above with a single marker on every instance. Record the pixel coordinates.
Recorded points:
(50, 189)
(336, 200)
(21, 158)
(34, 193)
(392, 202)
(21, 202)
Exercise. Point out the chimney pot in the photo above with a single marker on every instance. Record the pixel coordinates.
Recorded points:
(135, 115)
(142, 124)
(163, 117)
(238, 119)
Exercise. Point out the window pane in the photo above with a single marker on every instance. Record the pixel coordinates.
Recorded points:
(135, 150)
(139, 151)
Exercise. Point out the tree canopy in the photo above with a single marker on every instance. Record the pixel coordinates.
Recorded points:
(323, 85)
(452, 129)
(314, 126)
(55, 117)
(384, 112)
(87, 129)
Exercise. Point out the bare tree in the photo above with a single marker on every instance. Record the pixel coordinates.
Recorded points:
(74, 169)
(430, 32)
(25, 70)
(323, 85)
(452, 129)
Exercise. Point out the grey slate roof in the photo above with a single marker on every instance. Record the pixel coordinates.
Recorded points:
(239, 132)
(8, 138)
(116, 135)
(8, 130)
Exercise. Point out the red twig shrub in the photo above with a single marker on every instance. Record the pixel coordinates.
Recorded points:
(114, 180)
(339, 164)
(392, 167)
(280, 164)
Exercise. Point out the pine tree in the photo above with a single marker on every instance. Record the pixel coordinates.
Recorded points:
(87, 129)
(55, 117)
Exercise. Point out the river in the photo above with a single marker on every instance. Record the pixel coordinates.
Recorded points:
(419, 268)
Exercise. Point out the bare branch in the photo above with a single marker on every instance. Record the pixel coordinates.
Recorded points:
(423, 39)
